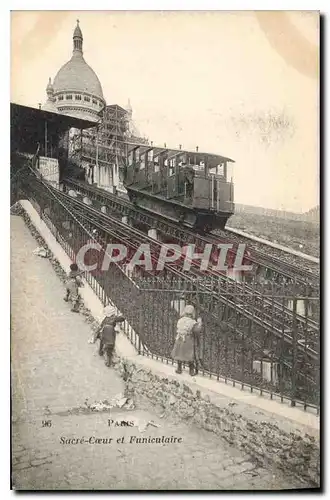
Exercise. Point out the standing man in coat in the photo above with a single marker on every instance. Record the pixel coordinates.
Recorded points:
(188, 329)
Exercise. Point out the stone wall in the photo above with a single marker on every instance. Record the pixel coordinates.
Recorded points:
(262, 435)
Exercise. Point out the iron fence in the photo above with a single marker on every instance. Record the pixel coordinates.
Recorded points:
(233, 346)
(263, 338)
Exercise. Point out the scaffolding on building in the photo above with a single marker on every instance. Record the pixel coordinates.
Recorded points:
(102, 151)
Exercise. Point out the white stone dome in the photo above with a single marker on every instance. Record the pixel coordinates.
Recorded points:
(76, 89)
(76, 75)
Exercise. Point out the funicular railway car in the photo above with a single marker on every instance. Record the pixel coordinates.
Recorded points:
(193, 188)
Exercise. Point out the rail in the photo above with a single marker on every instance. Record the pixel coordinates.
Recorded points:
(288, 250)
(258, 258)
(263, 304)
(236, 345)
(304, 341)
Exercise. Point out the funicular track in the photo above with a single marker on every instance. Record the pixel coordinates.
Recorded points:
(247, 303)
(303, 269)
(251, 297)
(241, 317)
(236, 314)
(296, 273)
(269, 321)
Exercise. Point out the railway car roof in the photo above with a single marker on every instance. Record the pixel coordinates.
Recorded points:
(200, 156)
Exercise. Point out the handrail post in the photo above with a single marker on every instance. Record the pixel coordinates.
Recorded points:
(294, 352)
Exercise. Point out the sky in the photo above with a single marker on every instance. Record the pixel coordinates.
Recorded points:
(241, 84)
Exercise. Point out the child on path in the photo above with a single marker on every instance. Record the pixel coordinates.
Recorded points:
(72, 287)
(188, 330)
(107, 334)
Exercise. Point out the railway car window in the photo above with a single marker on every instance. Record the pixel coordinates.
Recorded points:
(171, 170)
(221, 169)
(193, 161)
(230, 172)
(198, 168)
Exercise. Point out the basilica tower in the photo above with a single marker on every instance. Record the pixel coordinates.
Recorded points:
(76, 89)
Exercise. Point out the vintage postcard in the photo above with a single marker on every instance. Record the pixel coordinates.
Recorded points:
(165, 237)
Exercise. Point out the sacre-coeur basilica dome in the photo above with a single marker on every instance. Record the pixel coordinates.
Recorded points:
(76, 89)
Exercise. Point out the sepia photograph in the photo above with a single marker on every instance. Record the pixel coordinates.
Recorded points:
(165, 250)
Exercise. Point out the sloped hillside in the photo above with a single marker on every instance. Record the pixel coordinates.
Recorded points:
(300, 235)
(313, 214)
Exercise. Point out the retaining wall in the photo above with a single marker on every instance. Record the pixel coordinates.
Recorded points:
(271, 439)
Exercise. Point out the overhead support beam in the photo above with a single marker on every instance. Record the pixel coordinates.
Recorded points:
(133, 149)
(145, 149)
(180, 153)
(160, 152)
(148, 150)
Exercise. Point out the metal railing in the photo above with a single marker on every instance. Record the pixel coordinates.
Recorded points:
(234, 346)
(239, 351)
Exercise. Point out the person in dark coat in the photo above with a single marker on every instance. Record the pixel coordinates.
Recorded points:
(72, 287)
(188, 329)
(107, 334)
